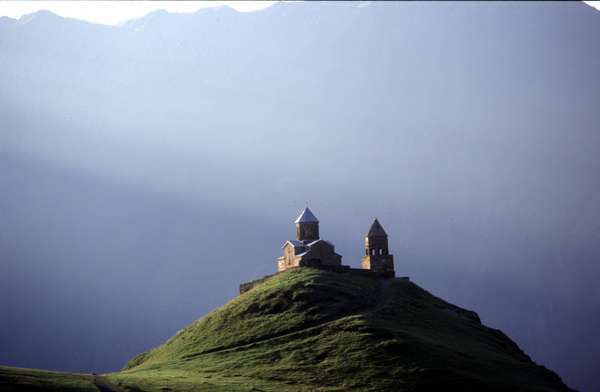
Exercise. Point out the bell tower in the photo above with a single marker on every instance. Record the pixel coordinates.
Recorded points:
(307, 226)
(377, 255)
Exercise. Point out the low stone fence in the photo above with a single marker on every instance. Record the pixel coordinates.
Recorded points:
(248, 285)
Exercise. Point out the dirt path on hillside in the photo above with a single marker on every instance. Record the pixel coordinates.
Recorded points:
(104, 385)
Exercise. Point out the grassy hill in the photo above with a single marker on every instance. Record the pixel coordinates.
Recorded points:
(313, 330)
(31, 380)
(307, 330)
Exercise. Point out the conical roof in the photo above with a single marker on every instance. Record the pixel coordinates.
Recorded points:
(376, 230)
(306, 216)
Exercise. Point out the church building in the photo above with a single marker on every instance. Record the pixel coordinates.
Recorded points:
(308, 249)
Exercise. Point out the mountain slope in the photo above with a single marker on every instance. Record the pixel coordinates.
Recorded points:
(30, 380)
(307, 330)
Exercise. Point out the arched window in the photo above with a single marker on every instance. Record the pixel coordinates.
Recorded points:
(381, 252)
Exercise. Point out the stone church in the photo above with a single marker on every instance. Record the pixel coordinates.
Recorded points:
(308, 249)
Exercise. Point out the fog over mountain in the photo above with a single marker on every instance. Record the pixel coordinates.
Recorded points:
(147, 169)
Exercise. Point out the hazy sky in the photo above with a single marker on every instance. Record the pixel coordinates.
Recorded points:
(111, 13)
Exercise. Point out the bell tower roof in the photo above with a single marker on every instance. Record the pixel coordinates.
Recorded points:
(376, 230)
(306, 216)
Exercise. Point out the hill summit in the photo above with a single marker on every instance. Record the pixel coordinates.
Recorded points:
(309, 329)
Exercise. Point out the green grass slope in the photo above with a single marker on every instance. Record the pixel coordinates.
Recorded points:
(313, 330)
(31, 380)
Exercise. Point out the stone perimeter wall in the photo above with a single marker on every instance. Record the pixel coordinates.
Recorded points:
(341, 269)
(248, 285)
